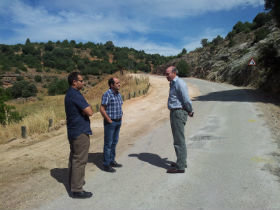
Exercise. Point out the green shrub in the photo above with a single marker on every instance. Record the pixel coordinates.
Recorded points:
(38, 78)
(261, 34)
(23, 89)
(20, 78)
(183, 68)
(8, 114)
(57, 87)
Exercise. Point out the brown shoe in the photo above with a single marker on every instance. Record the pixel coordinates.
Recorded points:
(174, 171)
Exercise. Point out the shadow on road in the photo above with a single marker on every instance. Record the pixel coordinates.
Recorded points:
(61, 176)
(153, 159)
(96, 158)
(238, 95)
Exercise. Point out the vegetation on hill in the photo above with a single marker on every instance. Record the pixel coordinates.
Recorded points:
(226, 59)
(42, 68)
(65, 56)
(36, 114)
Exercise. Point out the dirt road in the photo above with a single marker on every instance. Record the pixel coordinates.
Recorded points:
(231, 152)
(30, 165)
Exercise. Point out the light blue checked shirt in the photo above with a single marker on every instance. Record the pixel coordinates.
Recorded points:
(113, 102)
(178, 95)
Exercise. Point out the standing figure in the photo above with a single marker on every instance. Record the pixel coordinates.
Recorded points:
(111, 110)
(78, 129)
(180, 107)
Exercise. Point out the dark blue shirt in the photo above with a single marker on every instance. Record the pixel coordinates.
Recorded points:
(77, 122)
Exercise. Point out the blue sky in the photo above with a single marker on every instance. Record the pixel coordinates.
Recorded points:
(155, 26)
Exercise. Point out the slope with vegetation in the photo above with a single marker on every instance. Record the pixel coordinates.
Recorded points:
(226, 59)
(40, 69)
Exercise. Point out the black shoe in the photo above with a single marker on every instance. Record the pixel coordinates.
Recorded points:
(109, 169)
(175, 165)
(174, 171)
(115, 164)
(82, 194)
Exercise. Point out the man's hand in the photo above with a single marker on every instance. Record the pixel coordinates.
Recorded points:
(190, 114)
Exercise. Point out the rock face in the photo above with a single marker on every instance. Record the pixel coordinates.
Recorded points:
(228, 60)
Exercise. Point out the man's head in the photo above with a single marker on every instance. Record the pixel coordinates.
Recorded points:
(75, 80)
(171, 73)
(114, 84)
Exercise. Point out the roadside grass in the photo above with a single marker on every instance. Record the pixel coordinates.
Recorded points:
(38, 113)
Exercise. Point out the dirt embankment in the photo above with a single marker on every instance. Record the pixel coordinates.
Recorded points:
(34, 170)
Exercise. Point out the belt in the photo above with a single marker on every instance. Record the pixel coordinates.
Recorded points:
(117, 120)
(176, 109)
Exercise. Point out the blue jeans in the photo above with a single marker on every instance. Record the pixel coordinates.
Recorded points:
(111, 137)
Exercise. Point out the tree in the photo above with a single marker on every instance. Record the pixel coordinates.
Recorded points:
(58, 87)
(204, 42)
(261, 19)
(38, 78)
(27, 42)
(183, 68)
(274, 6)
(109, 45)
(8, 114)
(217, 40)
(49, 46)
(23, 89)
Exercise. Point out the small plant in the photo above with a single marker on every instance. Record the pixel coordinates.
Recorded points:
(38, 78)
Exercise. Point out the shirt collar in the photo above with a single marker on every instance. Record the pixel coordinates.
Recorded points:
(113, 92)
(174, 80)
(74, 89)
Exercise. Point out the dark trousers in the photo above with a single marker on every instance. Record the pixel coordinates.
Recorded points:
(77, 162)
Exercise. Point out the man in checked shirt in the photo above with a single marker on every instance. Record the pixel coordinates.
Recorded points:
(111, 110)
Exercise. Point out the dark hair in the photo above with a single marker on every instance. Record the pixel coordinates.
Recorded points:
(73, 76)
(111, 81)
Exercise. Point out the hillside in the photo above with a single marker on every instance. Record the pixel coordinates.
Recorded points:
(226, 59)
(43, 63)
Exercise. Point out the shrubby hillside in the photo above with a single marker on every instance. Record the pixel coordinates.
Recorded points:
(226, 59)
(45, 64)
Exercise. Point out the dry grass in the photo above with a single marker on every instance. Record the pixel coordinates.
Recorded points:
(38, 113)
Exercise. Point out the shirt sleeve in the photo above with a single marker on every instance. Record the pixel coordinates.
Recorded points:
(183, 95)
(80, 101)
(105, 99)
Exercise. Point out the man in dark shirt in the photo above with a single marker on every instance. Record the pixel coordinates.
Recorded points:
(78, 129)
(111, 110)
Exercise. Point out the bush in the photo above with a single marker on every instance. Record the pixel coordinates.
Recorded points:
(261, 19)
(20, 78)
(57, 87)
(8, 114)
(204, 42)
(38, 78)
(183, 68)
(261, 34)
(217, 40)
(23, 89)
(242, 27)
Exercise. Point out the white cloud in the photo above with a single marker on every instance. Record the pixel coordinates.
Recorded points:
(150, 47)
(40, 24)
(103, 20)
(156, 8)
(209, 33)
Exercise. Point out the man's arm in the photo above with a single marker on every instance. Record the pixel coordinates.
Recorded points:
(88, 111)
(104, 114)
(184, 97)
